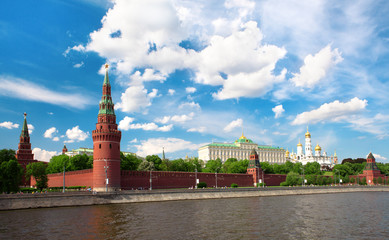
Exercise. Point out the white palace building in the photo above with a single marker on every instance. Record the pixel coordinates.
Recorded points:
(241, 149)
(319, 156)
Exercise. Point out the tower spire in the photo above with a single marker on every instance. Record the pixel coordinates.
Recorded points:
(25, 127)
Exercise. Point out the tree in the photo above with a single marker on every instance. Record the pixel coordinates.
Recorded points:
(379, 180)
(213, 165)
(311, 179)
(38, 171)
(79, 162)
(195, 163)
(178, 165)
(312, 168)
(129, 162)
(227, 164)
(288, 167)
(156, 160)
(146, 166)
(293, 179)
(297, 167)
(57, 162)
(343, 169)
(267, 167)
(10, 176)
(6, 155)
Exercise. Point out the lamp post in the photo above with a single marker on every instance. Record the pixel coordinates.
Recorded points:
(216, 175)
(151, 180)
(195, 175)
(263, 180)
(63, 185)
(106, 175)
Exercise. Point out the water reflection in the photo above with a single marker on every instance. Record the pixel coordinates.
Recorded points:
(322, 216)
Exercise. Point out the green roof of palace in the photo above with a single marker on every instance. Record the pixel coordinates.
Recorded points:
(236, 146)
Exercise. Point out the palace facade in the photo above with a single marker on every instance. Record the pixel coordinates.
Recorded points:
(241, 149)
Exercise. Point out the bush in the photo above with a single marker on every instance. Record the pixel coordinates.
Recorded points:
(363, 181)
(234, 185)
(284, 184)
(201, 185)
(27, 190)
(261, 184)
(379, 180)
(375, 180)
(352, 180)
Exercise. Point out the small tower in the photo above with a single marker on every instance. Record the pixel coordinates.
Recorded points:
(317, 151)
(371, 170)
(64, 149)
(106, 144)
(308, 147)
(24, 154)
(299, 150)
(335, 158)
(254, 167)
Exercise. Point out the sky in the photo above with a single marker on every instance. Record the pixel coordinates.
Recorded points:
(186, 73)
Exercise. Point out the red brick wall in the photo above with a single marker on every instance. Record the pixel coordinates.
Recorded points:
(136, 179)
(74, 178)
(274, 179)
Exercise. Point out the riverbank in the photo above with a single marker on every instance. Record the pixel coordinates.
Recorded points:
(47, 200)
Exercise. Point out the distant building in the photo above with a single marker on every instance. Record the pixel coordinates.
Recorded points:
(87, 151)
(308, 156)
(241, 149)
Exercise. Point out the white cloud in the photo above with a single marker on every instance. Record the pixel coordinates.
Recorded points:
(78, 65)
(378, 157)
(76, 134)
(9, 125)
(43, 155)
(315, 68)
(135, 99)
(245, 6)
(126, 124)
(171, 92)
(135, 140)
(333, 112)
(199, 129)
(22, 89)
(55, 139)
(190, 90)
(50, 132)
(148, 75)
(377, 125)
(236, 123)
(176, 118)
(278, 110)
(155, 145)
(30, 128)
(187, 105)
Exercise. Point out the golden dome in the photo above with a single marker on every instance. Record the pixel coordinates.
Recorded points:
(307, 134)
(317, 148)
(287, 153)
(242, 137)
(299, 144)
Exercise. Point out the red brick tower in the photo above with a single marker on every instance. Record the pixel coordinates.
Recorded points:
(24, 154)
(254, 167)
(106, 144)
(371, 170)
(64, 149)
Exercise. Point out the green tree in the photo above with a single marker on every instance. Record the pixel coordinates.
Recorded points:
(79, 162)
(363, 181)
(311, 179)
(156, 160)
(129, 162)
(298, 168)
(312, 168)
(6, 155)
(194, 163)
(178, 165)
(343, 169)
(293, 179)
(213, 165)
(227, 165)
(379, 180)
(57, 162)
(146, 166)
(267, 167)
(239, 166)
(10, 176)
(38, 171)
(289, 167)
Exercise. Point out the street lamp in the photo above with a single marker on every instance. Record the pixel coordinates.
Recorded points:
(216, 175)
(151, 180)
(63, 185)
(106, 175)
(195, 175)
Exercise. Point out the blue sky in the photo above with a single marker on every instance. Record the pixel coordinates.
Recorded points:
(186, 73)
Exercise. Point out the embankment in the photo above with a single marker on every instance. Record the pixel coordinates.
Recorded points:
(25, 201)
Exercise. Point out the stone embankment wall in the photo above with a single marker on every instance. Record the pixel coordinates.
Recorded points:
(17, 201)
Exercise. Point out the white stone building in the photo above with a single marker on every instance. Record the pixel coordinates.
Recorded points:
(241, 149)
(307, 156)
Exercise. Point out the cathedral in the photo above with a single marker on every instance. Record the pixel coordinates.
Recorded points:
(307, 156)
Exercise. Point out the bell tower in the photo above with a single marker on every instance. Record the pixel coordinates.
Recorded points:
(254, 167)
(106, 144)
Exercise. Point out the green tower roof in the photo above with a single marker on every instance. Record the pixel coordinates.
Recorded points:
(25, 127)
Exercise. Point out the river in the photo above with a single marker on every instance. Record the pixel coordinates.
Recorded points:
(363, 215)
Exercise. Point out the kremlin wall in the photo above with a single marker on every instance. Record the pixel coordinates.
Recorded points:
(107, 176)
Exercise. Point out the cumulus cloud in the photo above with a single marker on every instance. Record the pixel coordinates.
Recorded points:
(333, 112)
(30, 128)
(9, 125)
(378, 157)
(199, 129)
(190, 90)
(148, 75)
(175, 118)
(135, 99)
(315, 67)
(234, 124)
(192, 105)
(22, 89)
(155, 145)
(171, 92)
(49, 133)
(78, 65)
(278, 110)
(126, 124)
(43, 155)
(76, 134)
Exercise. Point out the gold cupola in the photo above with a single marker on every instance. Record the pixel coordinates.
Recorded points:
(307, 134)
(299, 144)
(317, 148)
